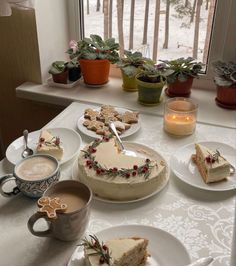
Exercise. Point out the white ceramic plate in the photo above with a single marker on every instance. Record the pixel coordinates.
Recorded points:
(133, 147)
(165, 249)
(183, 167)
(71, 142)
(133, 129)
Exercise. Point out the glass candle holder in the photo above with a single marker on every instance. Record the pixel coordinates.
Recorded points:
(180, 116)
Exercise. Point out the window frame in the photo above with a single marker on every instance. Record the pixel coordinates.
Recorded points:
(222, 36)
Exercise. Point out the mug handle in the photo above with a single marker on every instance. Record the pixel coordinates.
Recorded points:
(32, 220)
(4, 180)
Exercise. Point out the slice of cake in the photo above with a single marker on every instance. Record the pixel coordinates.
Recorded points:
(114, 175)
(49, 144)
(116, 252)
(211, 165)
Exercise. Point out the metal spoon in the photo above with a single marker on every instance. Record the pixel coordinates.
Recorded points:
(202, 262)
(123, 150)
(27, 151)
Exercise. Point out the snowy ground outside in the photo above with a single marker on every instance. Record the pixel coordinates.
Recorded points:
(178, 35)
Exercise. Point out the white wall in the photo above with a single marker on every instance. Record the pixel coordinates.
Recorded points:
(52, 31)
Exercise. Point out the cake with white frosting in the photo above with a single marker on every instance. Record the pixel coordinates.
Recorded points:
(114, 175)
(212, 166)
(116, 252)
(49, 144)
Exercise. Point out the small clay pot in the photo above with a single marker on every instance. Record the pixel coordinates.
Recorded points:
(61, 77)
(226, 97)
(74, 73)
(179, 88)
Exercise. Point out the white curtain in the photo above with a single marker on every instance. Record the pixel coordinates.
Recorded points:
(6, 5)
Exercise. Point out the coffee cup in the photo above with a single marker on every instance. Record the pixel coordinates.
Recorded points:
(72, 223)
(32, 175)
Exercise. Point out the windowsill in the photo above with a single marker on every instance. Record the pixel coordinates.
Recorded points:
(112, 93)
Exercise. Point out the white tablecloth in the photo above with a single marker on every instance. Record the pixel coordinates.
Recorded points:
(201, 220)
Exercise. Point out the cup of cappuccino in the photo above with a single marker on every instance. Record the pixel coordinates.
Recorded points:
(32, 175)
(70, 224)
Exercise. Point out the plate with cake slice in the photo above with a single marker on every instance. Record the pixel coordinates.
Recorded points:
(94, 122)
(61, 143)
(117, 177)
(206, 165)
(130, 245)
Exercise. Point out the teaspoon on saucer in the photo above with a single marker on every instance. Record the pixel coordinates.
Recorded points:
(27, 151)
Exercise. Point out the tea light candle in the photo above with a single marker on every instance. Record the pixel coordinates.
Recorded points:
(180, 116)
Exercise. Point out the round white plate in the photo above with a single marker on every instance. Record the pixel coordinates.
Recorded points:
(70, 139)
(163, 247)
(133, 129)
(186, 170)
(133, 147)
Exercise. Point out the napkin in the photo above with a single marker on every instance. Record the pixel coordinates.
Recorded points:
(233, 246)
(5, 6)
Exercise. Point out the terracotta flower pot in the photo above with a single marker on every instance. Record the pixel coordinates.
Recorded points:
(95, 72)
(178, 88)
(129, 83)
(226, 97)
(61, 77)
(149, 93)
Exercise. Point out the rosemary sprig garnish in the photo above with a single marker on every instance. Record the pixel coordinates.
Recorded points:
(212, 158)
(99, 248)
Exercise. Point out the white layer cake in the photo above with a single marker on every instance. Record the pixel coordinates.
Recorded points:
(115, 186)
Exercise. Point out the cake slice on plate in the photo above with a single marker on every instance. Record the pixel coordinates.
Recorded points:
(116, 252)
(49, 144)
(212, 166)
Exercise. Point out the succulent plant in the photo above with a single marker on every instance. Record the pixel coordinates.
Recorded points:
(225, 73)
(131, 62)
(182, 69)
(57, 67)
(95, 48)
(154, 73)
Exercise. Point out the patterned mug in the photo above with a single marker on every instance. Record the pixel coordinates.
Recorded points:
(32, 175)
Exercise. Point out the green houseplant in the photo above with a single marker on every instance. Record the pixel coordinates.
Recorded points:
(59, 72)
(225, 80)
(150, 82)
(131, 64)
(179, 83)
(74, 71)
(95, 55)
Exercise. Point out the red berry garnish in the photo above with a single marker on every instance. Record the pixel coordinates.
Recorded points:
(101, 260)
(147, 160)
(57, 141)
(104, 247)
(98, 171)
(93, 150)
(102, 171)
(88, 162)
(40, 145)
(135, 167)
(41, 139)
(208, 159)
(127, 175)
(134, 173)
(114, 170)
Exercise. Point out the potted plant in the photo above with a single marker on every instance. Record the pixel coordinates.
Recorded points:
(179, 83)
(74, 70)
(95, 56)
(59, 72)
(150, 82)
(225, 79)
(130, 65)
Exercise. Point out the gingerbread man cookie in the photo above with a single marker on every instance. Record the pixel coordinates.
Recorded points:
(93, 125)
(51, 206)
(129, 117)
(91, 114)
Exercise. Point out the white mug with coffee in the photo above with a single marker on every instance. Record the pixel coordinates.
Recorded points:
(72, 223)
(32, 175)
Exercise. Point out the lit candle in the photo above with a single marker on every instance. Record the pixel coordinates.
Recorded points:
(180, 116)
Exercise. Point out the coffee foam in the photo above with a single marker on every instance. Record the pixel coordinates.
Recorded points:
(36, 168)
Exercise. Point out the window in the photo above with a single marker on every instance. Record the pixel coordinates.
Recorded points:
(164, 29)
